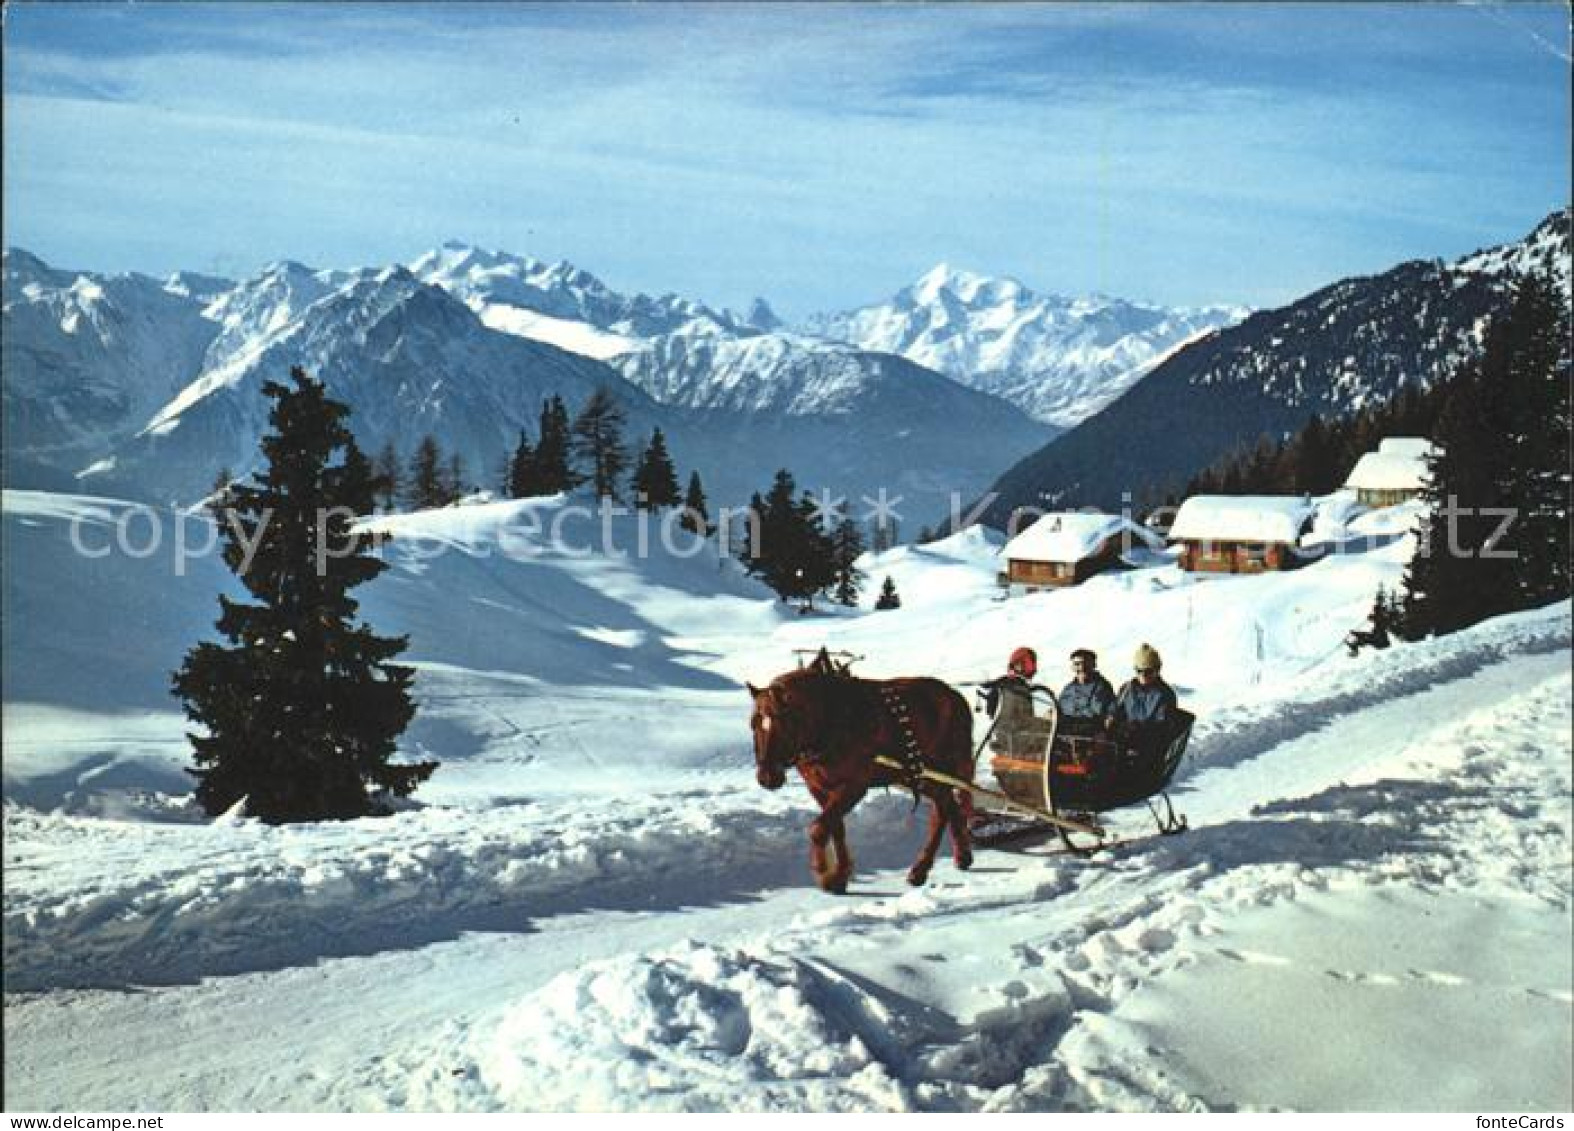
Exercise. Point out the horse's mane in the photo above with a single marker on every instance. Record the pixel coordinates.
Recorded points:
(841, 697)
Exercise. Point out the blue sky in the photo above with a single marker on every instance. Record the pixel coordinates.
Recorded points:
(820, 156)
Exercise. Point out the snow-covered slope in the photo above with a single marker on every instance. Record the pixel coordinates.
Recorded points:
(1060, 359)
(592, 906)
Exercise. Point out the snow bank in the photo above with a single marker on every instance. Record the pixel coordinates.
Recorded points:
(155, 903)
(698, 1028)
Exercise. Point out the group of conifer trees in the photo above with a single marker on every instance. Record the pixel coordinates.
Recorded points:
(1318, 458)
(588, 450)
(591, 450)
(1496, 535)
(301, 705)
(802, 547)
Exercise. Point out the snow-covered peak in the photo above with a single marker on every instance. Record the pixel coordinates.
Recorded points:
(193, 285)
(1545, 249)
(1060, 359)
(973, 290)
(23, 269)
(515, 293)
(268, 302)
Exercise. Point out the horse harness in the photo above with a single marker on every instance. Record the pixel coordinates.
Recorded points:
(912, 757)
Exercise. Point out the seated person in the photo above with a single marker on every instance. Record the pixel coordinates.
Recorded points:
(1146, 705)
(1009, 699)
(1086, 702)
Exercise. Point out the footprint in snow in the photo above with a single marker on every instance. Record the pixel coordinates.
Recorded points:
(1255, 957)
(1437, 977)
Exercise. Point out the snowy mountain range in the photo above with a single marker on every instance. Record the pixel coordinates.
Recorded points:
(151, 387)
(1061, 359)
(1349, 345)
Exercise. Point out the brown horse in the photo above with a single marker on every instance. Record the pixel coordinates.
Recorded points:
(831, 726)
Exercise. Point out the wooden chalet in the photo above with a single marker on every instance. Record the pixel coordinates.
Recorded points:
(1393, 474)
(1067, 549)
(1241, 533)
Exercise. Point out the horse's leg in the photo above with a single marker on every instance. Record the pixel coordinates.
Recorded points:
(844, 860)
(919, 872)
(959, 815)
(819, 837)
(832, 827)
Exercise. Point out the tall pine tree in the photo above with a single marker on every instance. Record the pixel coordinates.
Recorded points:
(1503, 434)
(796, 557)
(655, 480)
(696, 515)
(302, 708)
(390, 477)
(523, 472)
(1538, 441)
(425, 485)
(553, 470)
(597, 441)
(846, 544)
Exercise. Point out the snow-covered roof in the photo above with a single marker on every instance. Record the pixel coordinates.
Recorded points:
(1072, 536)
(1242, 518)
(1398, 465)
(1417, 446)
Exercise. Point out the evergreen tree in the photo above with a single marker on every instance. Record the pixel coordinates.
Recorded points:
(1456, 576)
(454, 483)
(888, 598)
(219, 497)
(750, 546)
(1536, 398)
(389, 477)
(655, 480)
(846, 545)
(597, 439)
(796, 557)
(426, 483)
(523, 475)
(302, 707)
(812, 554)
(696, 517)
(552, 450)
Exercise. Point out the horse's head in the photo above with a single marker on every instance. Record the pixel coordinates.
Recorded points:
(784, 725)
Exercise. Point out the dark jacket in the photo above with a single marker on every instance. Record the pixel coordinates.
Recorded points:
(1152, 704)
(1091, 700)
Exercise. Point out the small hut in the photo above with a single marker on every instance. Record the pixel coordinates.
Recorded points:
(1067, 549)
(1393, 474)
(1241, 533)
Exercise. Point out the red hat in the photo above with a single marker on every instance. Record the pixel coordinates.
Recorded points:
(1024, 661)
